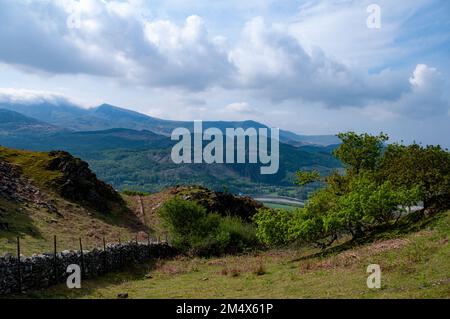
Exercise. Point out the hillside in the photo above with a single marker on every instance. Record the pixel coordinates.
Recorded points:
(414, 264)
(140, 160)
(47, 194)
(12, 123)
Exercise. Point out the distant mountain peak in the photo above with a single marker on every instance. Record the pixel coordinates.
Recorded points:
(8, 116)
(107, 116)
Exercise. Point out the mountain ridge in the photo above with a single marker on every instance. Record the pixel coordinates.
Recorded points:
(106, 116)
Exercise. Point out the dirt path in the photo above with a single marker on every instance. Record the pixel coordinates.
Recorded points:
(142, 210)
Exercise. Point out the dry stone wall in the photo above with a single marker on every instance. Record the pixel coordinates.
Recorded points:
(43, 270)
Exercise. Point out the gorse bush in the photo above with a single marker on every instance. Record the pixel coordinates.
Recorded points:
(195, 230)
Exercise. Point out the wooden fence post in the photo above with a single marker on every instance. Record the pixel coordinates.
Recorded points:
(83, 271)
(120, 254)
(104, 256)
(149, 245)
(55, 266)
(19, 270)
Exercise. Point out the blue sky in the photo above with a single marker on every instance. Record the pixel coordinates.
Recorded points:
(313, 67)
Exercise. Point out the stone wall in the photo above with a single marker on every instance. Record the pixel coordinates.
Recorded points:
(44, 270)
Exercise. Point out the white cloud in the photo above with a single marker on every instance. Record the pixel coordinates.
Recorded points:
(425, 97)
(320, 58)
(239, 107)
(116, 40)
(273, 62)
(23, 96)
(424, 77)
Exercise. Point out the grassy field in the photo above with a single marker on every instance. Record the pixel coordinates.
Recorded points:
(415, 265)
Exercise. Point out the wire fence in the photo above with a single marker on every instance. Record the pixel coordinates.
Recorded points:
(104, 252)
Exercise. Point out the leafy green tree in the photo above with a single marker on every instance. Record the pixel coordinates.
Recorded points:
(273, 226)
(369, 203)
(316, 223)
(428, 167)
(305, 177)
(360, 151)
(379, 185)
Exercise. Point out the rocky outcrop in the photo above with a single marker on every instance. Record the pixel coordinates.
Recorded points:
(219, 202)
(13, 186)
(78, 183)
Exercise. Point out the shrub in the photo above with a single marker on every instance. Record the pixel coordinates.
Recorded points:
(236, 234)
(273, 226)
(188, 223)
(199, 232)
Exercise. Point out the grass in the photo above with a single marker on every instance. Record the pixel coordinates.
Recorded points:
(414, 265)
(36, 225)
(33, 165)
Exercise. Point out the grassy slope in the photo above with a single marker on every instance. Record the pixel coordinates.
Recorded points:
(415, 265)
(36, 226)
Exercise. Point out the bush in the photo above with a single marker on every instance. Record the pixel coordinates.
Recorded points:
(273, 226)
(236, 234)
(188, 223)
(196, 231)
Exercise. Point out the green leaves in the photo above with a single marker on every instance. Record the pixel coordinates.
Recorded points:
(304, 178)
(272, 226)
(193, 229)
(414, 165)
(360, 151)
(379, 186)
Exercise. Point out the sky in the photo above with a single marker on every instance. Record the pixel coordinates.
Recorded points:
(312, 67)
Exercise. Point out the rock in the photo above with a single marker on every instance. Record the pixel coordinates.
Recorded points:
(8, 256)
(80, 184)
(123, 295)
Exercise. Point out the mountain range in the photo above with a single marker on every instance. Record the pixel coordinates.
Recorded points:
(131, 150)
(105, 116)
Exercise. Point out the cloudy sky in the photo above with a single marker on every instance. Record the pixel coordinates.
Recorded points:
(313, 67)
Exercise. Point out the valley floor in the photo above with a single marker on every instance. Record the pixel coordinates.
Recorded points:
(416, 265)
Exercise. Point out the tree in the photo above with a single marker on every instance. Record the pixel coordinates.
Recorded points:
(273, 226)
(380, 183)
(428, 167)
(360, 151)
(304, 177)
